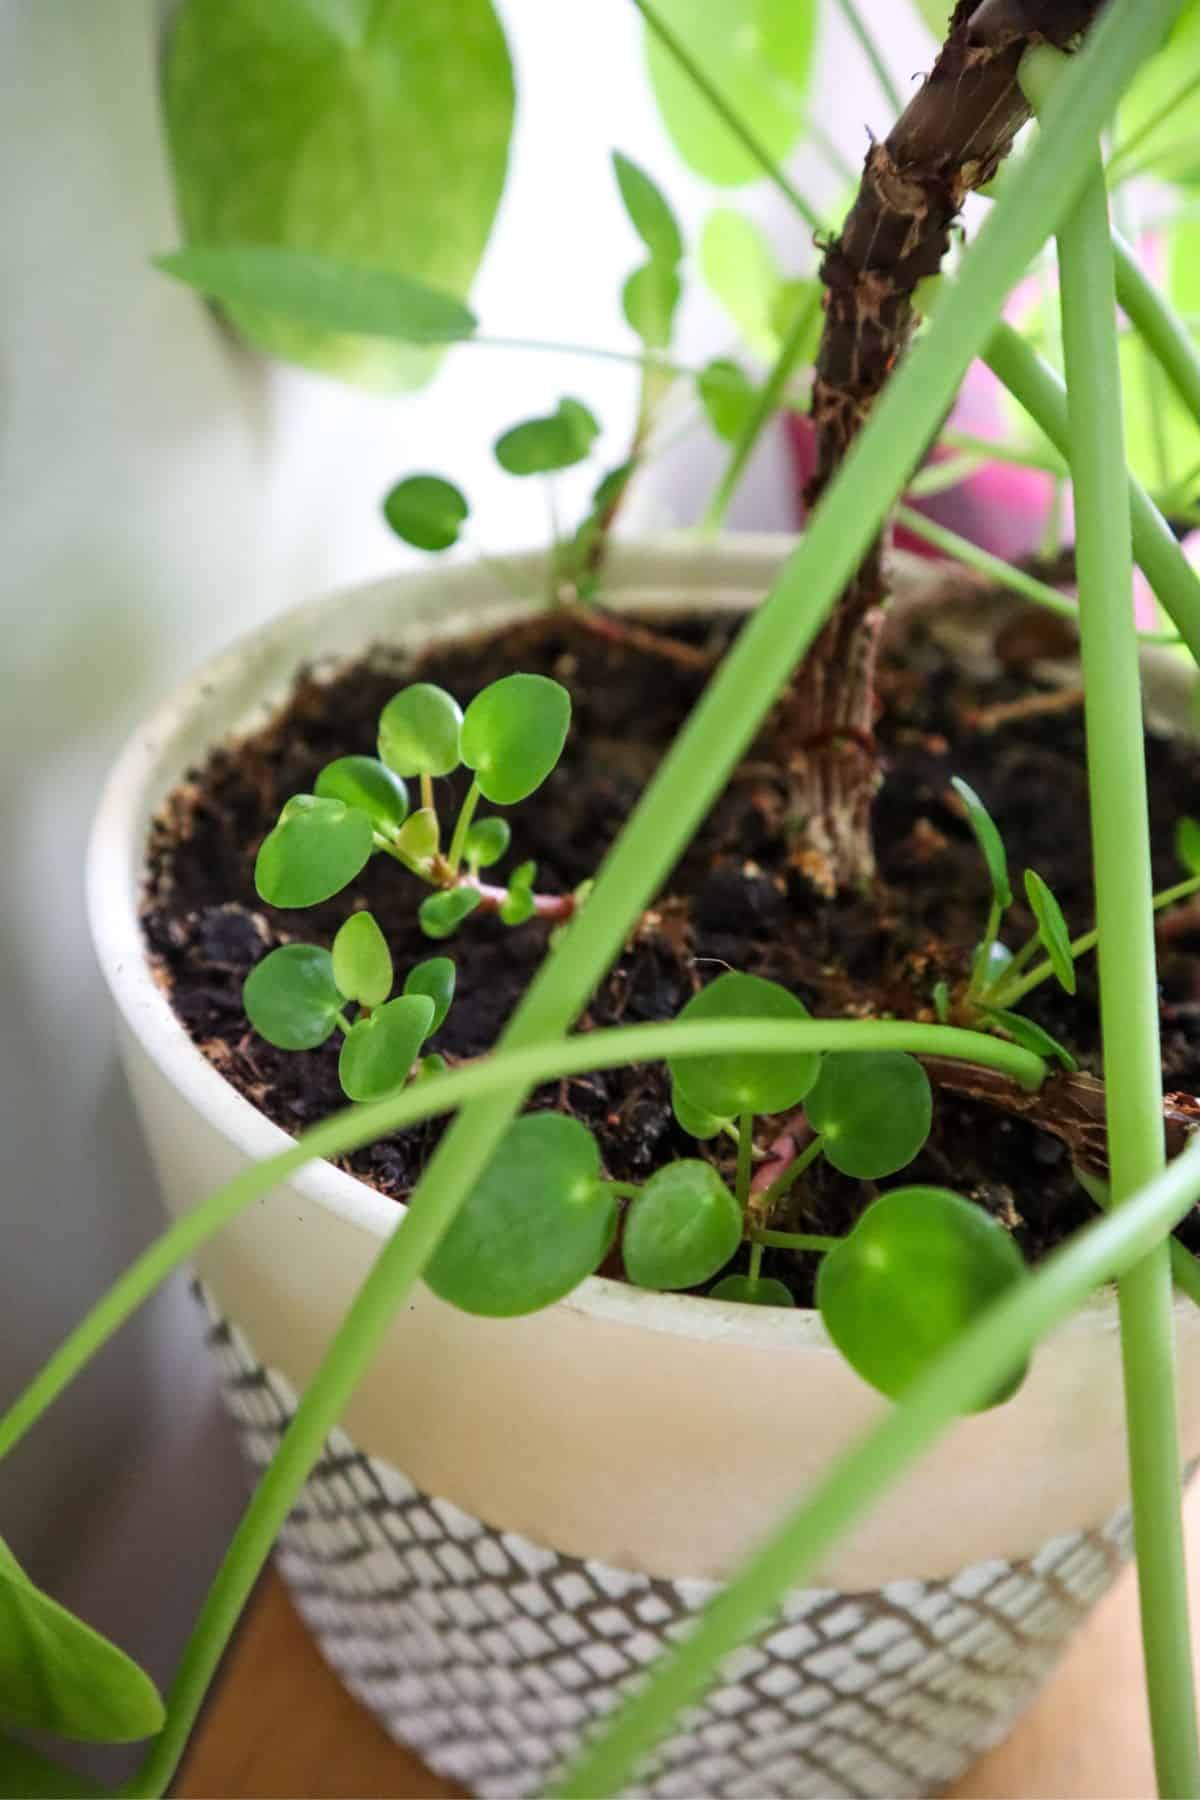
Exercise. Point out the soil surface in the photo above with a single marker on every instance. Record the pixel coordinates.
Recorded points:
(739, 899)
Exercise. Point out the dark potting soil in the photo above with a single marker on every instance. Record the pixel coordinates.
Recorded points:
(738, 899)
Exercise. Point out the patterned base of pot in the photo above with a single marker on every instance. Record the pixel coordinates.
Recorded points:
(492, 1656)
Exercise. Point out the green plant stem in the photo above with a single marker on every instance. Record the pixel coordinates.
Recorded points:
(765, 407)
(749, 141)
(700, 761)
(528, 1067)
(1185, 1269)
(745, 1160)
(1003, 573)
(1160, 329)
(462, 826)
(427, 794)
(1121, 159)
(1007, 996)
(960, 1380)
(936, 477)
(993, 451)
(795, 1240)
(640, 359)
(870, 48)
(754, 1268)
(1128, 976)
(786, 1181)
(1035, 385)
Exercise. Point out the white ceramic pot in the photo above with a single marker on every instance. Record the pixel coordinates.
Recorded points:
(518, 1514)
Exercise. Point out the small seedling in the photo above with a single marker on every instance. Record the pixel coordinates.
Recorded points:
(511, 738)
(297, 997)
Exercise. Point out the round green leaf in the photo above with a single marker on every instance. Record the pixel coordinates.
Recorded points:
(363, 781)
(542, 446)
(513, 735)
(1052, 929)
(435, 979)
(426, 511)
(649, 299)
(442, 914)
(355, 130)
(487, 840)
(684, 1226)
(57, 1674)
(726, 1085)
(291, 997)
(537, 1222)
(419, 731)
(362, 962)
(763, 1292)
(758, 54)
(989, 840)
(873, 1109)
(693, 1119)
(728, 397)
(379, 1050)
(918, 1268)
(649, 213)
(316, 849)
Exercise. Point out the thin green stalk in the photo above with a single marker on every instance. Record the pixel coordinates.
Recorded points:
(937, 477)
(462, 826)
(527, 1068)
(960, 1380)
(1008, 996)
(745, 1160)
(1004, 574)
(765, 407)
(1185, 1269)
(641, 359)
(702, 757)
(1163, 333)
(1121, 159)
(748, 139)
(786, 1181)
(993, 450)
(870, 48)
(796, 1240)
(1128, 976)
(1033, 383)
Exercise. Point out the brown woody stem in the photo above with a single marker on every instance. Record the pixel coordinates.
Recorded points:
(950, 140)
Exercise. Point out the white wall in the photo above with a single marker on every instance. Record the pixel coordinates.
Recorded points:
(159, 492)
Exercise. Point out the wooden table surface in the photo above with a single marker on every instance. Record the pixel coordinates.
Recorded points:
(281, 1727)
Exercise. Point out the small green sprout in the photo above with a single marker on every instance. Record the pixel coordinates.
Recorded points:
(919, 1267)
(297, 996)
(511, 737)
(1052, 931)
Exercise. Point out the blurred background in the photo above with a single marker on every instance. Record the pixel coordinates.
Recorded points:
(164, 487)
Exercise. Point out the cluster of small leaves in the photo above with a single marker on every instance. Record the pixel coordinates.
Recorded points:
(919, 1265)
(298, 996)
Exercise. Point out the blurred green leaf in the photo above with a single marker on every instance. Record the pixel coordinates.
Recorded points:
(513, 735)
(543, 446)
(363, 781)
(649, 299)
(739, 267)
(373, 131)
(989, 840)
(442, 914)
(426, 511)
(1031, 1036)
(763, 1292)
(936, 14)
(1187, 844)
(1052, 929)
(728, 397)
(435, 978)
(758, 54)
(487, 840)
(1170, 148)
(649, 212)
(379, 1050)
(26, 1774)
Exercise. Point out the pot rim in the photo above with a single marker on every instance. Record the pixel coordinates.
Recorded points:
(117, 843)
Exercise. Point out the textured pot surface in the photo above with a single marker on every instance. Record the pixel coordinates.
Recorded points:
(641, 1439)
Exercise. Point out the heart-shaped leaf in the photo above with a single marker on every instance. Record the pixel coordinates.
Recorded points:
(763, 1292)
(291, 997)
(683, 1226)
(487, 840)
(379, 1050)
(989, 840)
(1052, 929)
(419, 731)
(426, 511)
(362, 962)
(539, 1221)
(543, 446)
(728, 1084)
(57, 1674)
(873, 1109)
(513, 735)
(919, 1267)
(317, 848)
(435, 978)
(375, 132)
(442, 914)
(363, 781)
